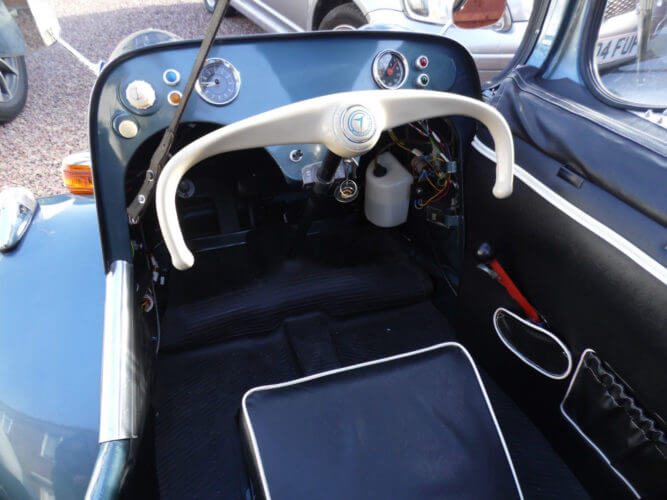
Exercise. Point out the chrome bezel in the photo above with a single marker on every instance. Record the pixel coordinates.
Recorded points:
(418, 65)
(419, 83)
(175, 92)
(376, 69)
(235, 74)
(167, 82)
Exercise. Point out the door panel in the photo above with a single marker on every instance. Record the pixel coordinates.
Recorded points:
(589, 253)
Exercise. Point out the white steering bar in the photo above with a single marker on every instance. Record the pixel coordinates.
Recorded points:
(349, 124)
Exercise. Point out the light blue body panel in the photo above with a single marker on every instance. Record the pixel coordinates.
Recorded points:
(51, 324)
(11, 38)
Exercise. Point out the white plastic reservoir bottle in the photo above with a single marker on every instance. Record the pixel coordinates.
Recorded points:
(387, 191)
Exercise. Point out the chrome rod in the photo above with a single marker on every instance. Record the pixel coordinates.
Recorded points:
(123, 381)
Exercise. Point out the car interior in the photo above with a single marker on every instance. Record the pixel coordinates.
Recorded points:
(389, 323)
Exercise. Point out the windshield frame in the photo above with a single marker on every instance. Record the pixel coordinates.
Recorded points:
(536, 20)
(589, 70)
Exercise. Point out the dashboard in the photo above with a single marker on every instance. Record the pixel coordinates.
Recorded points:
(136, 95)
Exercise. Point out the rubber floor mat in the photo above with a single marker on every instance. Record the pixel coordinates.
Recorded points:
(296, 287)
(199, 392)
(198, 449)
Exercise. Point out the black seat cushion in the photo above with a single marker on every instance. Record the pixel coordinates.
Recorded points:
(417, 425)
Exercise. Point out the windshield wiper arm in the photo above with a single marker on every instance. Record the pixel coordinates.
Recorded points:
(161, 155)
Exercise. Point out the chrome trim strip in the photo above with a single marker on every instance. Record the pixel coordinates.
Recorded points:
(122, 373)
(110, 467)
(624, 246)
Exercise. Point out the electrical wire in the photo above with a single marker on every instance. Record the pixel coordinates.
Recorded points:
(436, 197)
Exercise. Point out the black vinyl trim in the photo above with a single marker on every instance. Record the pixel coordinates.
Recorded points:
(640, 138)
(253, 445)
(613, 149)
(647, 234)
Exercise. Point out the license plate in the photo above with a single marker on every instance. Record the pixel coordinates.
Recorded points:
(616, 49)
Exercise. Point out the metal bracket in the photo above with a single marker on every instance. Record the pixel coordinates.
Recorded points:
(489, 272)
(440, 218)
(347, 168)
(451, 167)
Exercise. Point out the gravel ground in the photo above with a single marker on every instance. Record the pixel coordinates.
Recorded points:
(54, 122)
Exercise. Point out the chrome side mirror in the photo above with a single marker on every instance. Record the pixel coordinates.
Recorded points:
(460, 13)
(471, 14)
(17, 208)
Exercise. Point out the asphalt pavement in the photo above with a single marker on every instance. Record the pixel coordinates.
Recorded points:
(54, 122)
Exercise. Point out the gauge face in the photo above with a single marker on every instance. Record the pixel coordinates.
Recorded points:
(390, 69)
(219, 82)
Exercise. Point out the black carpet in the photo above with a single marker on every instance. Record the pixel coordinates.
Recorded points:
(199, 393)
(198, 447)
(294, 288)
(262, 322)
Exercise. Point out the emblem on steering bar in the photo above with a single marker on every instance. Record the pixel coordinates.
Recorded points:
(358, 124)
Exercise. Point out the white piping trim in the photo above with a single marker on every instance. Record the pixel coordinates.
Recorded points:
(525, 359)
(645, 261)
(253, 441)
(586, 438)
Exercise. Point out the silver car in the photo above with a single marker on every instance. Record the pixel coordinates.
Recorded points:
(492, 47)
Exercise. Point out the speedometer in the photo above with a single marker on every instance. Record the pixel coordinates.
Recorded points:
(390, 69)
(219, 82)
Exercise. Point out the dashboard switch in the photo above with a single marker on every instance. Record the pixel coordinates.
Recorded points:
(140, 95)
(421, 62)
(126, 127)
(171, 77)
(174, 97)
(423, 80)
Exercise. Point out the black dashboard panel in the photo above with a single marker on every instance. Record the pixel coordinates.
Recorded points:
(275, 70)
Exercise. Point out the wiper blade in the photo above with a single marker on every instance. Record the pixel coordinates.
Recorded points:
(161, 155)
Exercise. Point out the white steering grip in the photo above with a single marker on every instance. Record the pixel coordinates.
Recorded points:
(348, 124)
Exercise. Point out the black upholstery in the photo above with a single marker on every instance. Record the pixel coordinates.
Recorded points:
(417, 425)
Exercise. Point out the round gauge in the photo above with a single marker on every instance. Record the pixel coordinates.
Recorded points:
(390, 69)
(219, 82)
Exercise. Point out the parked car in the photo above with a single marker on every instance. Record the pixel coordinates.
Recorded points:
(619, 38)
(492, 47)
(13, 72)
(327, 265)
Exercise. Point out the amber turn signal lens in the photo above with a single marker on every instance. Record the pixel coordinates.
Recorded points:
(78, 174)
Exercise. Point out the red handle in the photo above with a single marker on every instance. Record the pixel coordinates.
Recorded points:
(515, 293)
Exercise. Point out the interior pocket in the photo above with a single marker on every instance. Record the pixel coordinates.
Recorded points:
(606, 412)
(533, 344)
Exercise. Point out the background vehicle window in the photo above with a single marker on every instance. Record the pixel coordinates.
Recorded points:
(631, 51)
